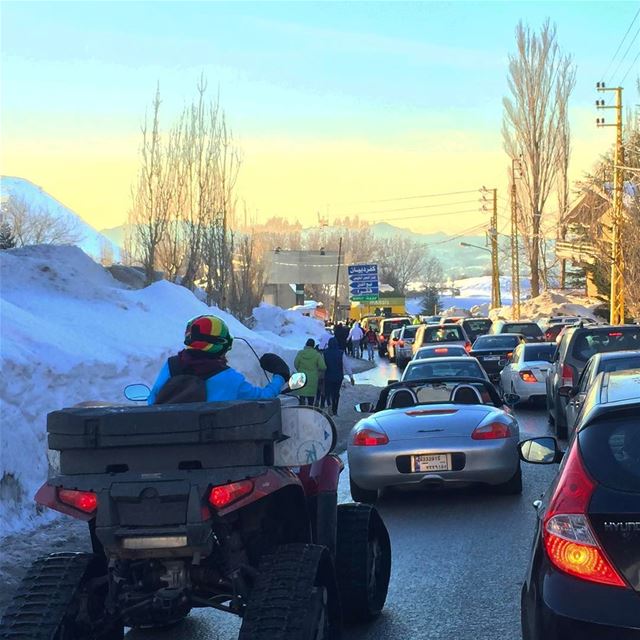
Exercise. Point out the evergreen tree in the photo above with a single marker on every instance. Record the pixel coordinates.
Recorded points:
(431, 301)
(7, 240)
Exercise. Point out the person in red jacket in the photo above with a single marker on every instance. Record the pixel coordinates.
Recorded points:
(371, 340)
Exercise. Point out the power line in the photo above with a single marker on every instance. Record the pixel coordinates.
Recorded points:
(428, 195)
(423, 206)
(621, 43)
(433, 215)
(631, 67)
(625, 53)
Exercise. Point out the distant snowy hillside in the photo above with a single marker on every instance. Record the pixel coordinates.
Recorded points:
(70, 332)
(92, 241)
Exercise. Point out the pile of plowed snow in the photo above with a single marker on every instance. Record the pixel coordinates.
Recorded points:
(70, 332)
(550, 303)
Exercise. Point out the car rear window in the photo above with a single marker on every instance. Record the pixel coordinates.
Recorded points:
(443, 369)
(543, 352)
(496, 342)
(529, 329)
(389, 325)
(410, 331)
(477, 326)
(588, 343)
(610, 448)
(448, 333)
(619, 364)
(440, 352)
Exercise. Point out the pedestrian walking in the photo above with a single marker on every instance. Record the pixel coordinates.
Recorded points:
(341, 334)
(356, 335)
(337, 368)
(371, 340)
(310, 362)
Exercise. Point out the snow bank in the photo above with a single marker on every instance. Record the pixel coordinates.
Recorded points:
(91, 241)
(71, 332)
(288, 327)
(551, 303)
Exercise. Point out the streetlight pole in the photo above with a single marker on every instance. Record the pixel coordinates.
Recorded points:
(493, 233)
(335, 295)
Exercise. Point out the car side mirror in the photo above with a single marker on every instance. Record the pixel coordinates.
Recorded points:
(540, 450)
(137, 392)
(566, 391)
(297, 381)
(364, 407)
(511, 399)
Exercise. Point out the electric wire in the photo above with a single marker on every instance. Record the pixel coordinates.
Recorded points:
(631, 67)
(424, 206)
(431, 215)
(625, 53)
(428, 195)
(604, 75)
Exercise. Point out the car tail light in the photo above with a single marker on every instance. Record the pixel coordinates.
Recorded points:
(548, 336)
(568, 539)
(567, 376)
(401, 343)
(368, 437)
(491, 431)
(615, 334)
(442, 350)
(467, 346)
(527, 376)
(224, 495)
(86, 501)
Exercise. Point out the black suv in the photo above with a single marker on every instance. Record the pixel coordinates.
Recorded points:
(583, 581)
(576, 346)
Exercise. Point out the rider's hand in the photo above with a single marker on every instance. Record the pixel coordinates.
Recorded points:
(275, 364)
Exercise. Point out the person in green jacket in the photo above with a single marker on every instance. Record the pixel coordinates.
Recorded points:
(312, 363)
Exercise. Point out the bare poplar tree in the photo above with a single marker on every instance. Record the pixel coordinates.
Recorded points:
(540, 81)
(37, 225)
(152, 196)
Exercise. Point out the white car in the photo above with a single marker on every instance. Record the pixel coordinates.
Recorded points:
(526, 373)
(460, 366)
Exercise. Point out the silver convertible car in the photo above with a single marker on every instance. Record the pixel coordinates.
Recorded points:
(427, 433)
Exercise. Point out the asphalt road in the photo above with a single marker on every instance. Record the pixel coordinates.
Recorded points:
(458, 560)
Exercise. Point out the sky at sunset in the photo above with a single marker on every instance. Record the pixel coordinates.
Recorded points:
(334, 105)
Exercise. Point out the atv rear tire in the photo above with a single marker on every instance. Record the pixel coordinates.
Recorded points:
(295, 597)
(53, 602)
(368, 496)
(363, 561)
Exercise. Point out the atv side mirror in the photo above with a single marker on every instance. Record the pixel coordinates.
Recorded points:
(364, 407)
(297, 381)
(137, 392)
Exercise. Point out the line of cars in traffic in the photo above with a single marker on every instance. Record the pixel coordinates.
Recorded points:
(448, 422)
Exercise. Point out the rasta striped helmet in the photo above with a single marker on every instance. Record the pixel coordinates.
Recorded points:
(209, 334)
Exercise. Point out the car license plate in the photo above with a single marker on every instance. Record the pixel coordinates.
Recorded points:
(491, 358)
(431, 462)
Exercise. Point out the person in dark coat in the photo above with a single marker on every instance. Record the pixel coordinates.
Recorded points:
(341, 334)
(337, 367)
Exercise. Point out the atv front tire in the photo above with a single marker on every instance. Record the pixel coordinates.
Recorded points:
(295, 597)
(57, 600)
(363, 561)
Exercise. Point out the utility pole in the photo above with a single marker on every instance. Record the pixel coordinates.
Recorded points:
(335, 295)
(493, 234)
(515, 257)
(617, 257)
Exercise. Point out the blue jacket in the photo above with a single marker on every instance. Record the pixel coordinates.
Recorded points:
(226, 385)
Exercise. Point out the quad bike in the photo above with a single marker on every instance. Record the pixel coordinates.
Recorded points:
(186, 508)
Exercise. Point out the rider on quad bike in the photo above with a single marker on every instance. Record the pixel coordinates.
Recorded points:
(207, 339)
(230, 505)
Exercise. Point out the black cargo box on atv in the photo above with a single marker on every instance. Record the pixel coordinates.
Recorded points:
(168, 437)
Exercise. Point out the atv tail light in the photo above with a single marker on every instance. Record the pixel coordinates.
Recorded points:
(86, 501)
(226, 494)
(491, 431)
(568, 539)
(527, 376)
(368, 437)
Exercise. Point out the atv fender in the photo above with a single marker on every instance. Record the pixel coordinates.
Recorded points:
(321, 476)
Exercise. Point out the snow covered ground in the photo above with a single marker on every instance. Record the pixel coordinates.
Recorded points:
(70, 332)
(91, 241)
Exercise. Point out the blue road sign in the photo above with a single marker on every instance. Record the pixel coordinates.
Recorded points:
(363, 281)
